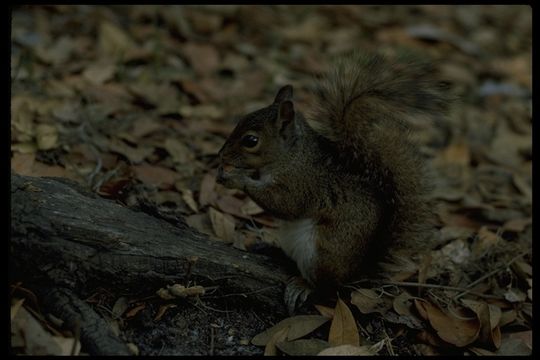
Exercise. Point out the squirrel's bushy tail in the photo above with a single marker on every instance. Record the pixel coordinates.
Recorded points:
(365, 91)
(362, 108)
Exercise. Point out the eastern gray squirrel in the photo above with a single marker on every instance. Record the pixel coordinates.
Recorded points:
(347, 181)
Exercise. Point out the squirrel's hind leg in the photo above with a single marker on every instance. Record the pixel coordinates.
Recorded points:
(297, 291)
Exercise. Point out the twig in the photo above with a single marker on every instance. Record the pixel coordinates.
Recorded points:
(211, 352)
(242, 294)
(444, 287)
(499, 269)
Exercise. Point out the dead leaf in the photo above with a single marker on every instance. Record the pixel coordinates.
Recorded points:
(270, 348)
(207, 194)
(145, 126)
(201, 222)
(251, 208)
(135, 154)
(180, 153)
(343, 330)
(113, 40)
(403, 303)
(325, 311)
(15, 308)
(66, 346)
(300, 325)
(368, 301)
(513, 347)
(203, 58)
(457, 153)
(302, 347)
(187, 196)
(162, 310)
(46, 137)
(155, 175)
(451, 329)
(522, 269)
(507, 317)
(517, 225)
(525, 336)
(489, 316)
(131, 313)
(349, 350)
(223, 225)
(120, 306)
(23, 164)
(486, 240)
(515, 295)
(231, 205)
(99, 73)
(27, 333)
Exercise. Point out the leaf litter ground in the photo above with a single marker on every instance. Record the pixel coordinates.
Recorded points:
(134, 102)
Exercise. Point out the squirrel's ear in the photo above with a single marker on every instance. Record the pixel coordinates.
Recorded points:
(286, 113)
(284, 94)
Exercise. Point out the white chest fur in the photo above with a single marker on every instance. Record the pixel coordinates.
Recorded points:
(298, 240)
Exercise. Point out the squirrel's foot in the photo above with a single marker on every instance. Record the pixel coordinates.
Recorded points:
(297, 291)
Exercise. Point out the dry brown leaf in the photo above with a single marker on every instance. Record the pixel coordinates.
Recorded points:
(507, 317)
(131, 313)
(134, 154)
(113, 40)
(513, 347)
(201, 222)
(522, 269)
(203, 58)
(155, 175)
(23, 164)
(207, 194)
(231, 205)
(515, 295)
(120, 306)
(145, 126)
(517, 225)
(99, 73)
(403, 303)
(325, 311)
(180, 153)
(349, 350)
(15, 308)
(300, 325)
(525, 336)
(451, 329)
(457, 153)
(270, 348)
(489, 316)
(486, 240)
(40, 169)
(187, 196)
(343, 330)
(251, 208)
(46, 137)
(162, 310)
(302, 347)
(223, 225)
(368, 301)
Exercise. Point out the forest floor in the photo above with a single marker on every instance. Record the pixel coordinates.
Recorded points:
(135, 102)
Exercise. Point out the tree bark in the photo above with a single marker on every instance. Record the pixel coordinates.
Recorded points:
(64, 236)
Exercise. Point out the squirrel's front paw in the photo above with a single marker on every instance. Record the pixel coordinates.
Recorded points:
(297, 291)
(234, 178)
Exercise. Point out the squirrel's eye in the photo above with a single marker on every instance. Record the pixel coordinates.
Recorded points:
(249, 141)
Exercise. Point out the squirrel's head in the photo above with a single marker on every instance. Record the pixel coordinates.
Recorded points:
(259, 138)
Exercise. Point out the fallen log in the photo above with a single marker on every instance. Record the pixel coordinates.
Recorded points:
(63, 236)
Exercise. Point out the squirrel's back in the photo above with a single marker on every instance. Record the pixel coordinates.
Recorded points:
(362, 109)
